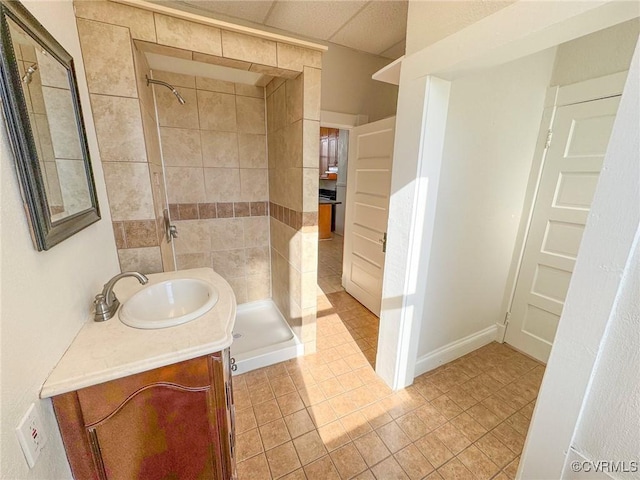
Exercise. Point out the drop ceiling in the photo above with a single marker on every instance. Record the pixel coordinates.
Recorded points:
(372, 26)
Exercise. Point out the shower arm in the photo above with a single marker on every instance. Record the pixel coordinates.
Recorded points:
(165, 84)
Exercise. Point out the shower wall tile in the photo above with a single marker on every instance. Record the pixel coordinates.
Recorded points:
(143, 260)
(257, 260)
(140, 22)
(312, 93)
(227, 234)
(164, 50)
(174, 79)
(141, 233)
(181, 147)
(220, 149)
(292, 57)
(256, 231)
(185, 185)
(253, 49)
(252, 150)
(223, 62)
(193, 236)
(179, 33)
(294, 99)
(230, 263)
(214, 85)
(310, 143)
(250, 113)
(108, 58)
(239, 286)
(185, 261)
(254, 184)
(310, 180)
(119, 128)
(145, 92)
(129, 190)
(258, 287)
(222, 184)
(217, 111)
(249, 90)
(171, 113)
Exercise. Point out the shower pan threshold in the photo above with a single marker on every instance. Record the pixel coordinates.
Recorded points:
(262, 337)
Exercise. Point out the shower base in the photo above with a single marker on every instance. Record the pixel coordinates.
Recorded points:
(262, 337)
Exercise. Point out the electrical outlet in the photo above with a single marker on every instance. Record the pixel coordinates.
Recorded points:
(31, 435)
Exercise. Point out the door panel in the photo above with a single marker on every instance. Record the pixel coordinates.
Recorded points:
(367, 210)
(569, 178)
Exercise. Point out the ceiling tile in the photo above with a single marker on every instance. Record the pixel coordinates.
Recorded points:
(376, 28)
(251, 10)
(317, 19)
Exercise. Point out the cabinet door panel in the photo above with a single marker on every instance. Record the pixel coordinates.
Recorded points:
(161, 432)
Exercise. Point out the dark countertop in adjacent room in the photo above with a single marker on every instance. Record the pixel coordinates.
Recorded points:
(326, 201)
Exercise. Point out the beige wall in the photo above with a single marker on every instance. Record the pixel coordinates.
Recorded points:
(215, 157)
(46, 296)
(293, 113)
(347, 86)
(601, 53)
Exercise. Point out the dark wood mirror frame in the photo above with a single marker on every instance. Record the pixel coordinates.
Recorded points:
(45, 232)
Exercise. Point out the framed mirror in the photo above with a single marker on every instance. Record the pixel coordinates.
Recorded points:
(44, 120)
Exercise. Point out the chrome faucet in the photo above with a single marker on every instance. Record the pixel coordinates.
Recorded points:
(106, 302)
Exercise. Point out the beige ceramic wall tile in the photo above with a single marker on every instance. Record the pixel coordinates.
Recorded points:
(129, 190)
(310, 189)
(312, 93)
(273, 71)
(254, 184)
(171, 113)
(310, 143)
(279, 108)
(294, 189)
(193, 236)
(276, 149)
(309, 297)
(293, 145)
(144, 260)
(256, 231)
(163, 50)
(309, 257)
(252, 150)
(257, 260)
(294, 244)
(219, 149)
(258, 287)
(175, 79)
(168, 260)
(226, 234)
(181, 147)
(217, 111)
(294, 99)
(179, 33)
(250, 114)
(223, 62)
(293, 57)
(239, 286)
(145, 92)
(185, 185)
(250, 49)
(214, 85)
(119, 129)
(274, 85)
(139, 21)
(222, 184)
(151, 139)
(249, 90)
(108, 58)
(157, 189)
(193, 260)
(229, 263)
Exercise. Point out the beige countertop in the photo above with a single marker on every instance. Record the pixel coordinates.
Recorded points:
(104, 351)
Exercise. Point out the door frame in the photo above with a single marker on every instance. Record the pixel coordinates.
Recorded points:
(557, 96)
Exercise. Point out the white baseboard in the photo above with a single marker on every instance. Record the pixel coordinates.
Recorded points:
(455, 350)
(501, 331)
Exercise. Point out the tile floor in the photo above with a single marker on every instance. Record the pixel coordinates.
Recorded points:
(330, 264)
(328, 416)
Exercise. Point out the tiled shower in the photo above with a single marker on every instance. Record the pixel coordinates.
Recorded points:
(235, 166)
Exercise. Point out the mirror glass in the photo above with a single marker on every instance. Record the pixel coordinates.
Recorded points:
(44, 120)
(47, 94)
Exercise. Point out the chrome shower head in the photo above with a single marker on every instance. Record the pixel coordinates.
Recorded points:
(169, 86)
(26, 78)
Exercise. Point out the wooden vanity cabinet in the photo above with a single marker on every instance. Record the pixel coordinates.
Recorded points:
(174, 422)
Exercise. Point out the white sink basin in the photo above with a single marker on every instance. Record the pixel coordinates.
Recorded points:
(168, 303)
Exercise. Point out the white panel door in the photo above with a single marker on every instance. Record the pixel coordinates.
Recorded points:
(367, 210)
(574, 158)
